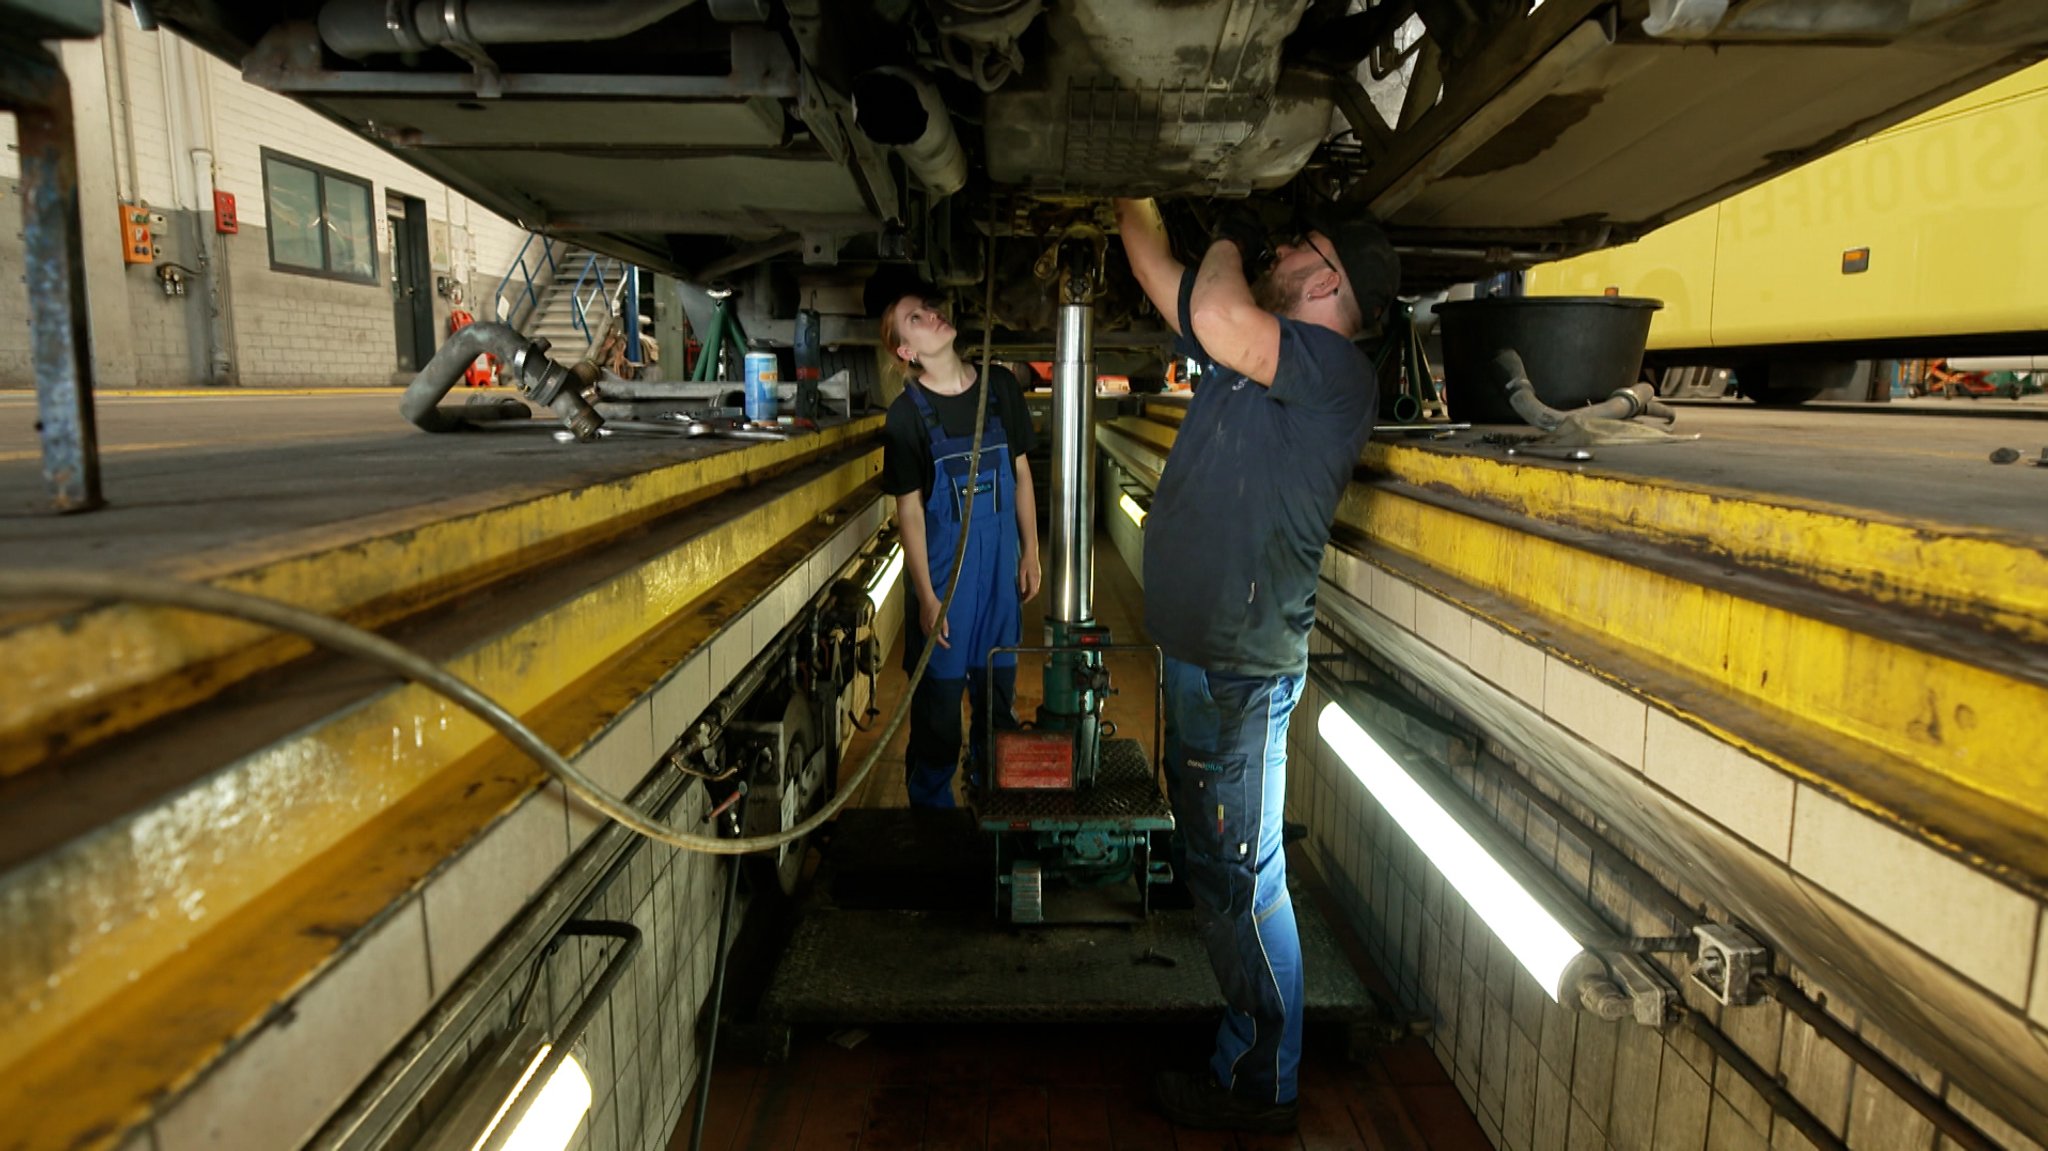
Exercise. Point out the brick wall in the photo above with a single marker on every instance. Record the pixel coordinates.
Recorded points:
(288, 330)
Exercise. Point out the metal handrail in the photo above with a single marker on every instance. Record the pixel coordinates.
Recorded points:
(526, 273)
(580, 305)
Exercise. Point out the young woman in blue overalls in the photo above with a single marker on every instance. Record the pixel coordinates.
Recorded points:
(926, 466)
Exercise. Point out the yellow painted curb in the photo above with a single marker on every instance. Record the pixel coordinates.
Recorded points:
(148, 1039)
(1968, 724)
(86, 919)
(1938, 569)
(84, 676)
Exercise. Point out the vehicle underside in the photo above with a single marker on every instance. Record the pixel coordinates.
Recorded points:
(809, 150)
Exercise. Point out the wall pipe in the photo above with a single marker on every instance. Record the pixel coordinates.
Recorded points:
(543, 380)
(1896, 1081)
(1782, 1103)
(361, 28)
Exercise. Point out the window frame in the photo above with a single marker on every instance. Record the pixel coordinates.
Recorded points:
(322, 174)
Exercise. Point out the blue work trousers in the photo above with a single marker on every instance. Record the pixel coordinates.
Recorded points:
(933, 754)
(1226, 773)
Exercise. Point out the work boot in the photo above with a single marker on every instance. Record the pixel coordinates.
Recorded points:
(1195, 1099)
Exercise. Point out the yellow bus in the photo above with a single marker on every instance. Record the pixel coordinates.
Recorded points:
(1926, 240)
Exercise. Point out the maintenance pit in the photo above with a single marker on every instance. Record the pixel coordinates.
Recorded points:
(1535, 633)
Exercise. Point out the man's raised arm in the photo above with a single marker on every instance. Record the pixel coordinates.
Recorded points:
(1151, 258)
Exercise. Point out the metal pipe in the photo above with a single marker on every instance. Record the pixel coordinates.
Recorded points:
(33, 85)
(361, 28)
(743, 259)
(716, 1005)
(900, 109)
(1781, 1102)
(1073, 460)
(1896, 1081)
(545, 381)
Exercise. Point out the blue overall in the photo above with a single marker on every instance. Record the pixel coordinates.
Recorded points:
(1226, 748)
(984, 614)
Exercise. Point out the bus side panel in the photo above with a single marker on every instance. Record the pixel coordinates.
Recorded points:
(1674, 264)
(1952, 207)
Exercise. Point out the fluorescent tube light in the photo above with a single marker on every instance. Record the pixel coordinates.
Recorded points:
(884, 581)
(551, 1121)
(1131, 509)
(1534, 936)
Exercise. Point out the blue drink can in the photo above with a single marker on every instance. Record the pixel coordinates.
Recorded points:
(762, 378)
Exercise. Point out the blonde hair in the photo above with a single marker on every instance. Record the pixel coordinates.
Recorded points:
(895, 369)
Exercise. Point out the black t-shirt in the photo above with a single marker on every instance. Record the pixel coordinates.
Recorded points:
(1235, 536)
(907, 446)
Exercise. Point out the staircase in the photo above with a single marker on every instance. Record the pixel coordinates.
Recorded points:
(568, 293)
(575, 308)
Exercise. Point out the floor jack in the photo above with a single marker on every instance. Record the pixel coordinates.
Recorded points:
(1077, 813)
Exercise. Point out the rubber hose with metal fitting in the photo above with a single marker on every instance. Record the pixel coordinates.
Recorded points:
(1622, 404)
(542, 379)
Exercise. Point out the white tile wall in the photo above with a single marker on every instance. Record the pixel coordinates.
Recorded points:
(472, 900)
(1670, 1094)
(2038, 1012)
(681, 698)
(1509, 663)
(277, 1089)
(1446, 625)
(1976, 925)
(1607, 717)
(625, 753)
(1737, 791)
(1393, 597)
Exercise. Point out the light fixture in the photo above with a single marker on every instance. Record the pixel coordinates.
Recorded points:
(549, 1123)
(884, 580)
(524, 1089)
(1543, 946)
(1131, 509)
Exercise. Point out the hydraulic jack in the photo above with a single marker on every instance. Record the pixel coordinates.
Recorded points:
(1074, 809)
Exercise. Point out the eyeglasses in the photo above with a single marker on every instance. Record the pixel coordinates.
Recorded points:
(1305, 239)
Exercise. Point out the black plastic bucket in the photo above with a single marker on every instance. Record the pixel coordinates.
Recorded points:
(1578, 350)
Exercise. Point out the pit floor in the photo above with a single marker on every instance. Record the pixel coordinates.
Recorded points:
(1058, 1087)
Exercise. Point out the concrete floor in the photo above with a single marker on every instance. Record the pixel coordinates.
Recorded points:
(211, 474)
(185, 474)
(1920, 463)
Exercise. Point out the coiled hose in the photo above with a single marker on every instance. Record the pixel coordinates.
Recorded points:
(57, 583)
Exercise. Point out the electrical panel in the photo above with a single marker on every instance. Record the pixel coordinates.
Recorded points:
(138, 246)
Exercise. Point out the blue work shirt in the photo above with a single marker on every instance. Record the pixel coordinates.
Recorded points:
(1235, 535)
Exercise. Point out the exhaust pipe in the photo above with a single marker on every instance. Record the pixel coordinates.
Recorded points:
(359, 29)
(898, 108)
(546, 382)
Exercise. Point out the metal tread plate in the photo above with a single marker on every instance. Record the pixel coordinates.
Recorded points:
(924, 967)
(1125, 794)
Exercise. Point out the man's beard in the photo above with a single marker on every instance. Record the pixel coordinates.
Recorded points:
(1278, 296)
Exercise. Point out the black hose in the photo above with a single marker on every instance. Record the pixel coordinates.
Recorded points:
(732, 887)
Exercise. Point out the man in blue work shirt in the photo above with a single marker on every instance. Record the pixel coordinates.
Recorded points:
(1233, 544)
